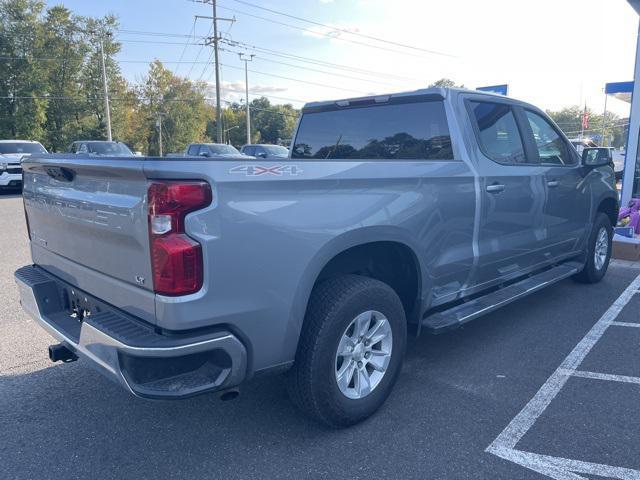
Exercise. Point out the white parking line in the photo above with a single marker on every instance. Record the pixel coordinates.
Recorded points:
(606, 376)
(554, 467)
(626, 324)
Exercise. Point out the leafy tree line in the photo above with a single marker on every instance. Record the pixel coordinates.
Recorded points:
(51, 89)
(569, 119)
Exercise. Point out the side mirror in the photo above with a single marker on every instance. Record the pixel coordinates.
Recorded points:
(261, 155)
(204, 154)
(596, 157)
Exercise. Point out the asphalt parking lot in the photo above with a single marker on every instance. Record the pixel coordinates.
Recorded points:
(558, 372)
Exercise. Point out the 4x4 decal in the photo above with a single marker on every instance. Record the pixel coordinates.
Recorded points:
(256, 170)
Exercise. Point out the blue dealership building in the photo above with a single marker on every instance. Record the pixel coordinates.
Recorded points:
(631, 181)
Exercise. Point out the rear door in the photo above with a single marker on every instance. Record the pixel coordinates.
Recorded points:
(567, 210)
(511, 229)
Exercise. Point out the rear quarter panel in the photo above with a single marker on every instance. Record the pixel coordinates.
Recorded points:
(268, 234)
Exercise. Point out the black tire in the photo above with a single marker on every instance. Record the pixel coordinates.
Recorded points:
(333, 306)
(591, 273)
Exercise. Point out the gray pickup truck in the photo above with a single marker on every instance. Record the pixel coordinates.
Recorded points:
(412, 212)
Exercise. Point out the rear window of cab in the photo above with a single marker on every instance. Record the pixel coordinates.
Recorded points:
(395, 131)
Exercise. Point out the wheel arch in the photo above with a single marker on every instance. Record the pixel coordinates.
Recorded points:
(348, 253)
(610, 207)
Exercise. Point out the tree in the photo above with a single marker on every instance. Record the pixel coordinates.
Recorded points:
(22, 78)
(51, 89)
(182, 104)
(272, 123)
(445, 83)
(64, 44)
(569, 119)
(269, 123)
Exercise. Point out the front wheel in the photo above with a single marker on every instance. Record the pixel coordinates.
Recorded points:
(598, 251)
(350, 350)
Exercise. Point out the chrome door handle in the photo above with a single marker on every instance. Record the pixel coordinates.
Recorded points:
(552, 183)
(495, 188)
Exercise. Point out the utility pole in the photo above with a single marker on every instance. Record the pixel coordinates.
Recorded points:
(106, 92)
(215, 53)
(214, 41)
(604, 123)
(159, 125)
(246, 90)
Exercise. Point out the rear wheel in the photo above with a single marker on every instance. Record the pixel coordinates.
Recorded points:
(350, 350)
(598, 251)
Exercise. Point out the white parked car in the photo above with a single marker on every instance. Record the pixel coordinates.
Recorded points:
(11, 154)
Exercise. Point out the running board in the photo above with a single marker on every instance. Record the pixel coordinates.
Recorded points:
(465, 312)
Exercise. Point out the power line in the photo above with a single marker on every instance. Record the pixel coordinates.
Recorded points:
(207, 63)
(254, 47)
(314, 61)
(157, 34)
(318, 71)
(308, 30)
(199, 52)
(131, 40)
(298, 80)
(237, 44)
(193, 31)
(344, 30)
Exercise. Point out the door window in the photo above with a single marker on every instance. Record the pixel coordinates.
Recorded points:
(249, 151)
(193, 150)
(498, 132)
(552, 149)
(204, 150)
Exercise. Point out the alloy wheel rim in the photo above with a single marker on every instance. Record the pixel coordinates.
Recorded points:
(601, 249)
(363, 354)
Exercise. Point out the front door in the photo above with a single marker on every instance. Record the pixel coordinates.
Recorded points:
(567, 211)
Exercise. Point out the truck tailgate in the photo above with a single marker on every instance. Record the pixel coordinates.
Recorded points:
(88, 224)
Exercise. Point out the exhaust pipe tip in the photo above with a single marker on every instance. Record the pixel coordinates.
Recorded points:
(60, 353)
(230, 394)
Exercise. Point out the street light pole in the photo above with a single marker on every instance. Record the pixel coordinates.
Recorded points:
(226, 132)
(106, 92)
(159, 125)
(246, 90)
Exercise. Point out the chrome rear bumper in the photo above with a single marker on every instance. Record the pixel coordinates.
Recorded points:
(145, 362)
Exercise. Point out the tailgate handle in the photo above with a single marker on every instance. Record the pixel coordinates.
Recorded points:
(63, 174)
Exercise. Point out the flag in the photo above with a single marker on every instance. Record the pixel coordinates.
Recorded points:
(585, 118)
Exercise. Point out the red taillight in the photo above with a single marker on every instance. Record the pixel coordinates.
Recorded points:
(176, 259)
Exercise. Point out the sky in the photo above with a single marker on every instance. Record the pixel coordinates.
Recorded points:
(552, 53)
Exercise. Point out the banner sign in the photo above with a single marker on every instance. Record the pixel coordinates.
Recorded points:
(501, 89)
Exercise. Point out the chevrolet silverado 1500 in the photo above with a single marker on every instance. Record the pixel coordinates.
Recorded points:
(411, 212)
